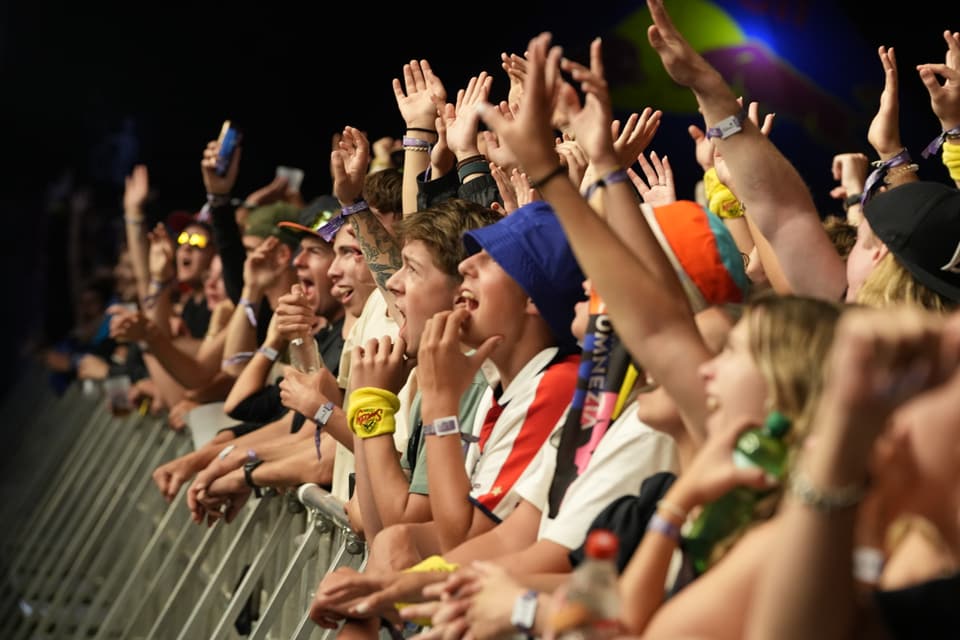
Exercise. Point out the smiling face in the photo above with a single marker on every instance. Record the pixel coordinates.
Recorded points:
(351, 278)
(420, 289)
(312, 263)
(192, 259)
(736, 388)
(492, 297)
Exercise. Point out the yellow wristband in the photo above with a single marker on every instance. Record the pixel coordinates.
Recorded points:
(433, 563)
(951, 158)
(370, 412)
(720, 199)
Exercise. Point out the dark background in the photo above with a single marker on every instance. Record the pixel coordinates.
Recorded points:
(77, 76)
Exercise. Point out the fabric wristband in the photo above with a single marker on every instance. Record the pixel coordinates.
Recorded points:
(371, 412)
(415, 144)
(248, 309)
(951, 159)
(937, 142)
(720, 199)
(615, 176)
(269, 353)
(881, 167)
(664, 527)
(238, 358)
(478, 166)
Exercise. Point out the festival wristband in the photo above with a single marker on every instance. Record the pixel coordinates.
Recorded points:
(370, 412)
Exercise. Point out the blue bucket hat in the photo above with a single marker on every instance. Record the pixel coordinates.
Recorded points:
(531, 246)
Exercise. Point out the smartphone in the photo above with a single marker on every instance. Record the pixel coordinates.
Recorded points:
(293, 175)
(229, 138)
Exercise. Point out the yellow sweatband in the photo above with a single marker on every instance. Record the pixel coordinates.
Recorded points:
(433, 563)
(951, 158)
(370, 412)
(720, 199)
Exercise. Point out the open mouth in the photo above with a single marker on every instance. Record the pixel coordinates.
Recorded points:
(307, 285)
(465, 300)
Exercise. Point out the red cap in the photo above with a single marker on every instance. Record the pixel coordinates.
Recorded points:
(602, 544)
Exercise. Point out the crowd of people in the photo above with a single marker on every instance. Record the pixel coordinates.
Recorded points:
(526, 335)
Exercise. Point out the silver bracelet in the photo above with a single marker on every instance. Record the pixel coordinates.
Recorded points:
(825, 500)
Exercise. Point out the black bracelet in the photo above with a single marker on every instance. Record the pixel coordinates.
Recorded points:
(537, 184)
(422, 130)
(466, 161)
(248, 468)
(850, 200)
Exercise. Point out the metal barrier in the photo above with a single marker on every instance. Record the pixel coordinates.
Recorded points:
(102, 555)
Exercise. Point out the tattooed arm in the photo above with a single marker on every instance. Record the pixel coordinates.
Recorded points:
(380, 249)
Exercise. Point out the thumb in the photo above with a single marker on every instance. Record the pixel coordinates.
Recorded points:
(696, 133)
(756, 478)
(485, 349)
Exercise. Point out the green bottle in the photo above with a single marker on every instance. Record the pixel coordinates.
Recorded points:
(759, 447)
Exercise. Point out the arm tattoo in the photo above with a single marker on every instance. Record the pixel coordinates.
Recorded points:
(379, 248)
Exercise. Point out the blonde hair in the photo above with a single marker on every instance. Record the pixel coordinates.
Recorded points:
(890, 284)
(789, 339)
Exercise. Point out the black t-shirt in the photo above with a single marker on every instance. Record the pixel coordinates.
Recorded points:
(930, 610)
(196, 316)
(330, 344)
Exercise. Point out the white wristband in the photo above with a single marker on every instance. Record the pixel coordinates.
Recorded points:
(269, 353)
(868, 564)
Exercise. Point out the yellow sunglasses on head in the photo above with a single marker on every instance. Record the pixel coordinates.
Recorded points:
(193, 239)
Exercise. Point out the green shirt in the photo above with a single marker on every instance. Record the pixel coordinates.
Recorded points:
(417, 452)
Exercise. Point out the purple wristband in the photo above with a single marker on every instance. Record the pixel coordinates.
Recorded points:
(663, 527)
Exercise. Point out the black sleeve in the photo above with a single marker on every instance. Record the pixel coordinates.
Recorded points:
(627, 517)
(230, 247)
(443, 188)
(482, 190)
(925, 610)
(261, 406)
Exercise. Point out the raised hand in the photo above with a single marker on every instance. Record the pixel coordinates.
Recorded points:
(349, 164)
(419, 95)
(884, 132)
(215, 183)
(529, 134)
(945, 98)
(681, 61)
(850, 170)
(636, 134)
(136, 188)
(591, 123)
(442, 159)
(261, 268)
(462, 129)
(500, 154)
(160, 257)
(573, 155)
(703, 147)
(658, 189)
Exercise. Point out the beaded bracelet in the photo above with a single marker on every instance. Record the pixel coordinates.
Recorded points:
(825, 500)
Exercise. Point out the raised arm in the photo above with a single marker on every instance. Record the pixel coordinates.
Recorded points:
(945, 102)
(648, 307)
(773, 192)
(417, 100)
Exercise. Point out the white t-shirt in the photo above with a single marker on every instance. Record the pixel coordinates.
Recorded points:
(374, 322)
(629, 452)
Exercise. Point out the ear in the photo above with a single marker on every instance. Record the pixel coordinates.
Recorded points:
(878, 252)
(531, 308)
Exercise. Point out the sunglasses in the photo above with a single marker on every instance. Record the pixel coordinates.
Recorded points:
(193, 239)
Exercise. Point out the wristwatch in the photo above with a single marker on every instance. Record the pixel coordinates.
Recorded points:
(323, 413)
(524, 612)
(248, 468)
(442, 427)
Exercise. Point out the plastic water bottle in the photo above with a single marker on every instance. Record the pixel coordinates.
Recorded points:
(305, 354)
(591, 608)
(759, 447)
